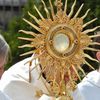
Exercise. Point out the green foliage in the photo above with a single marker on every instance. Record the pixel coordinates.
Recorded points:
(12, 34)
(17, 23)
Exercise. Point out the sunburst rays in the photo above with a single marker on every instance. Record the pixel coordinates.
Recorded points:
(72, 9)
(79, 10)
(46, 10)
(91, 30)
(46, 26)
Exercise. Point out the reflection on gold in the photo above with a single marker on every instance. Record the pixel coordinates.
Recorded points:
(60, 45)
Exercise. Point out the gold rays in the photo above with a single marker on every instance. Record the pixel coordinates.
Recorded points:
(52, 9)
(91, 49)
(34, 26)
(53, 62)
(39, 12)
(27, 39)
(46, 10)
(76, 72)
(81, 70)
(89, 22)
(95, 43)
(77, 13)
(29, 33)
(89, 57)
(72, 9)
(27, 53)
(89, 65)
(93, 36)
(84, 16)
(65, 8)
(36, 20)
(91, 30)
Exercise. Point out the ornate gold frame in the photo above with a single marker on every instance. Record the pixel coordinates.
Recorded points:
(59, 66)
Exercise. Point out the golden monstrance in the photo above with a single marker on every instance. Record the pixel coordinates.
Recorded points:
(59, 46)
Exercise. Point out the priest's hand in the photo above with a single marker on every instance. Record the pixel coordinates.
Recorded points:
(46, 97)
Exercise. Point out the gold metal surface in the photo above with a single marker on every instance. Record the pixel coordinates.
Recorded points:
(60, 68)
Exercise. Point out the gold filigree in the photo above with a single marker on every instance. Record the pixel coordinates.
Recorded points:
(60, 66)
(39, 93)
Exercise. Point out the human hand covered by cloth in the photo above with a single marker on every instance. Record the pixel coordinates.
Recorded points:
(46, 97)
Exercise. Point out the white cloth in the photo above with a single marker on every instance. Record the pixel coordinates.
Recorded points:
(4, 96)
(45, 97)
(89, 88)
(15, 82)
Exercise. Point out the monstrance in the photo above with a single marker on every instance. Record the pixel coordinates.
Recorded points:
(59, 46)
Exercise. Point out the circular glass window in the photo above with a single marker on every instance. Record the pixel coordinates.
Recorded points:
(61, 42)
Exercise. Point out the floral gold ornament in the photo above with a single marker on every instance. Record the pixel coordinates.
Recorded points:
(59, 46)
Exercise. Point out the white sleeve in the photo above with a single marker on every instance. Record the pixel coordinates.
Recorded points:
(46, 97)
(4, 96)
(77, 95)
(15, 82)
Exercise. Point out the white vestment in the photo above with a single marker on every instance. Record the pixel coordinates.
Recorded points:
(15, 82)
(89, 88)
(4, 96)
